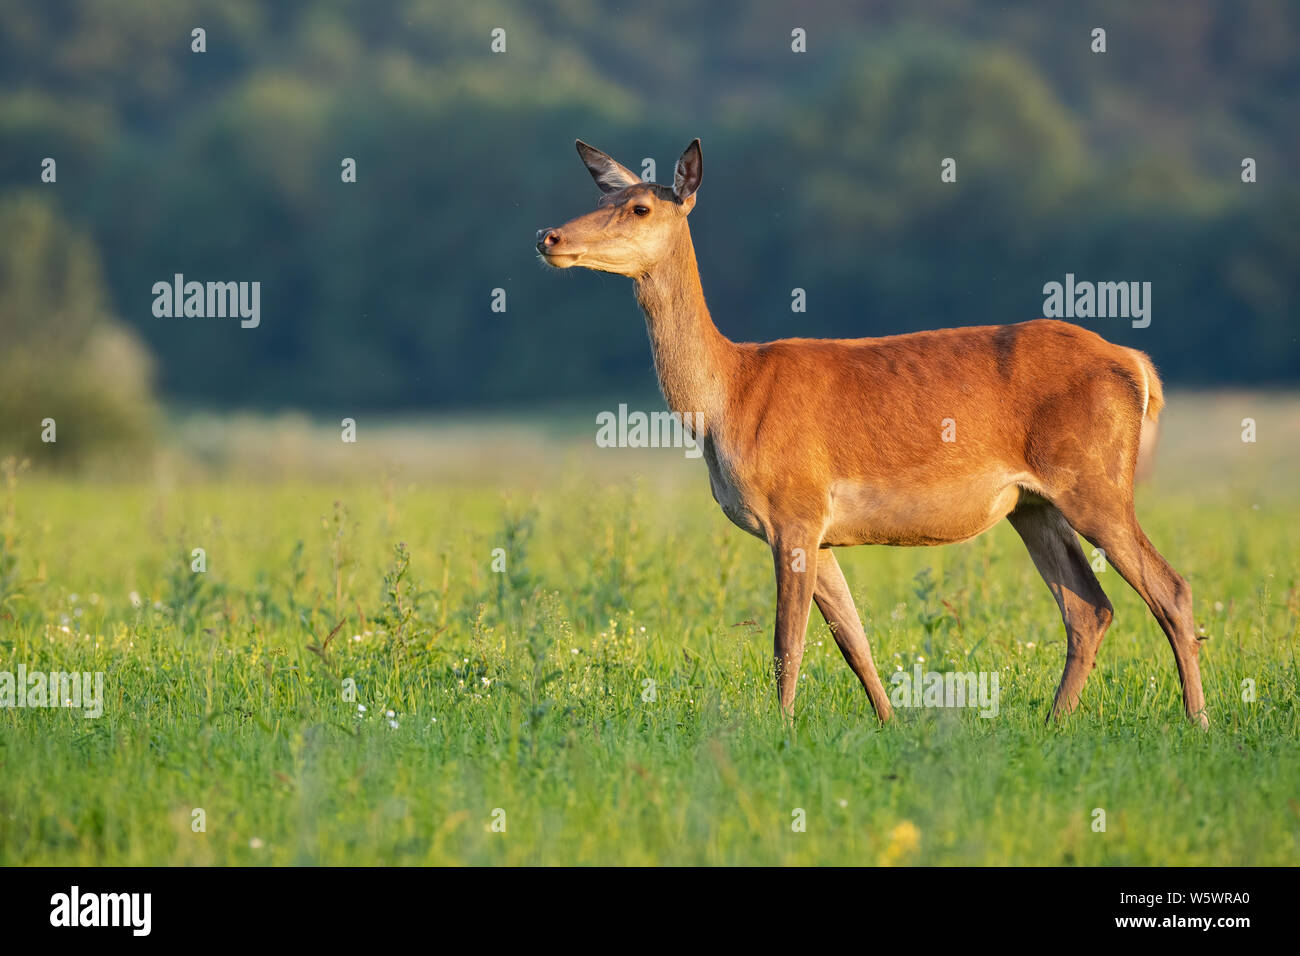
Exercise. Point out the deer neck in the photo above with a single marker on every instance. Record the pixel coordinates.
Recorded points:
(694, 361)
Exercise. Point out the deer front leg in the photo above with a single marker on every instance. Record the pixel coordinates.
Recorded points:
(836, 604)
(795, 556)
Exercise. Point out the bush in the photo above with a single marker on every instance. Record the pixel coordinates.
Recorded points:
(63, 356)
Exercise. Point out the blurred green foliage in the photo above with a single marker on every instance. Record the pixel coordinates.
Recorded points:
(69, 370)
(821, 171)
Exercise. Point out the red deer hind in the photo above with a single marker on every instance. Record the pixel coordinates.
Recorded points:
(819, 443)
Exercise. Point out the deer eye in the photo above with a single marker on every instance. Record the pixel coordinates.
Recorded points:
(641, 210)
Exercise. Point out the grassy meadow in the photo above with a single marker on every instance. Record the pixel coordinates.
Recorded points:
(607, 698)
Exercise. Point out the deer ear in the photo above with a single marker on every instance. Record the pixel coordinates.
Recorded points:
(686, 178)
(610, 175)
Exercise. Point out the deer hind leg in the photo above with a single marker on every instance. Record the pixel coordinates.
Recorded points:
(1085, 609)
(1108, 520)
(831, 592)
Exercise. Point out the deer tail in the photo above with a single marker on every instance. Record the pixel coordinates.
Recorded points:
(1153, 400)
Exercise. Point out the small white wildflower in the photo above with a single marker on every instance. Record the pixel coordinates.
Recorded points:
(135, 599)
(393, 724)
(390, 714)
(256, 843)
(361, 708)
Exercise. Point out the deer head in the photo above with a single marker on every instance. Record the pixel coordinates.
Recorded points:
(635, 224)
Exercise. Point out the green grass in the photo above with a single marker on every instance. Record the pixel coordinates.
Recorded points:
(524, 690)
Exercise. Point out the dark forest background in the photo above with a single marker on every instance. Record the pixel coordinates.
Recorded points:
(821, 171)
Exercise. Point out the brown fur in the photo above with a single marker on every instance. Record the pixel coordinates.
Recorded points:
(814, 443)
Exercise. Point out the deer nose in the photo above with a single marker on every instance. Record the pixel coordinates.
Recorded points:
(547, 239)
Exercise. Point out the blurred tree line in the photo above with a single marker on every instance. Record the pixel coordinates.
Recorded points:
(821, 172)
